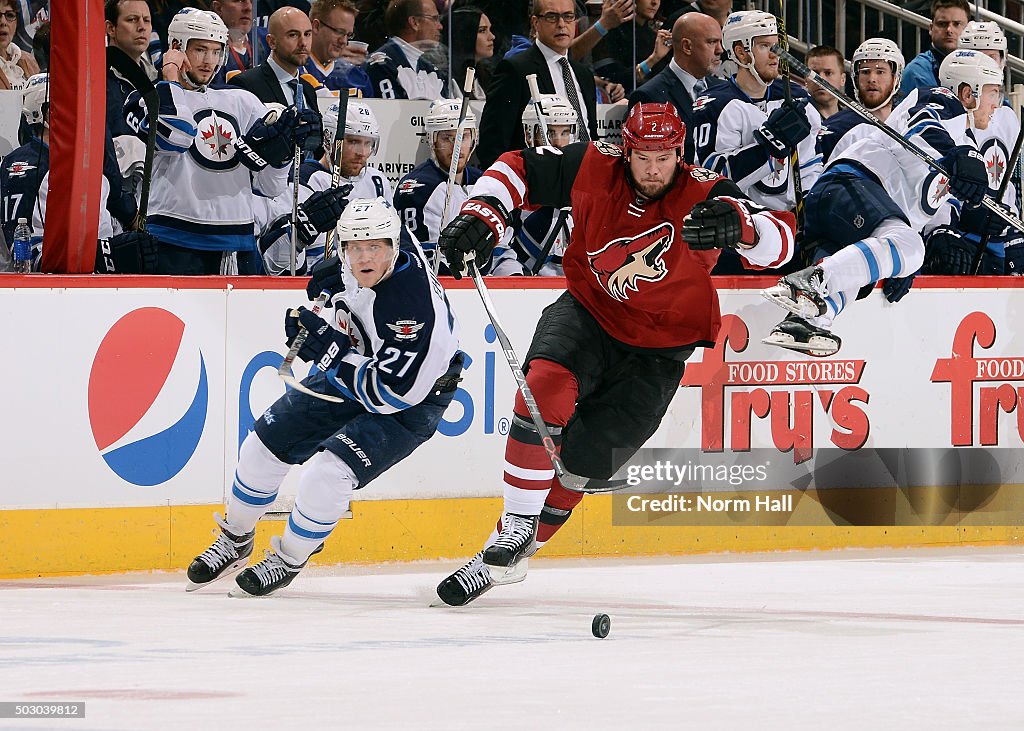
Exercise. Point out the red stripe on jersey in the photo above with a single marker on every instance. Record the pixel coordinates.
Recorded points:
(786, 223)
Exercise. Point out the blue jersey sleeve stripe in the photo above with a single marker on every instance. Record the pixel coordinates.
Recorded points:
(870, 259)
(897, 260)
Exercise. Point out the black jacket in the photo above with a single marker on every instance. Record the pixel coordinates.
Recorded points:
(262, 82)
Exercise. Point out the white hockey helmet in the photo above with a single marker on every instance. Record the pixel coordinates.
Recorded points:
(359, 122)
(443, 116)
(555, 109)
(370, 218)
(880, 49)
(36, 94)
(967, 66)
(194, 24)
(743, 27)
(983, 36)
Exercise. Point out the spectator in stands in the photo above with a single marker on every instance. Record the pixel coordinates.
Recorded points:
(639, 47)
(828, 62)
(508, 18)
(717, 9)
(398, 68)
(613, 13)
(289, 34)
(129, 25)
(472, 44)
(41, 47)
(696, 54)
(334, 23)
(501, 130)
(949, 18)
(15, 65)
(32, 14)
(237, 16)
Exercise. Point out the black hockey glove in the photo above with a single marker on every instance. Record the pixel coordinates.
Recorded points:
(948, 252)
(325, 275)
(981, 220)
(1015, 257)
(720, 223)
(131, 252)
(896, 288)
(477, 228)
(324, 345)
(309, 130)
(968, 178)
(320, 212)
(784, 128)
(270, 141)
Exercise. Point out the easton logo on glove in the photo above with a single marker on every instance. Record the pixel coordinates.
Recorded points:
(488, 214)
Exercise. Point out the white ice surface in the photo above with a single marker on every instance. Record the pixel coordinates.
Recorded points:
(930, 639)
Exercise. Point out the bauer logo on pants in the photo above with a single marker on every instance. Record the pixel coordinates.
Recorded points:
(144, 430)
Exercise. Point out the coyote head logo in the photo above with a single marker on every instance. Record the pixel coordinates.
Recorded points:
(621, 263)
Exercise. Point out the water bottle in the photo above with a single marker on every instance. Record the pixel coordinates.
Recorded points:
(22, 249)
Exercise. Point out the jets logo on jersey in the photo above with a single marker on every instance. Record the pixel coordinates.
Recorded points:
(944, 91)
(621, 264)
(406, 329)
(409, 186)
(19, 169)
(777, 180)
(701, 102)
(934, 192)
(214, 146)
(995, 160)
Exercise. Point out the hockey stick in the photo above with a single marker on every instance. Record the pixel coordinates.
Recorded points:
(531, 81)
(296, 171)
(794, 154)
(285, 369)
(122, 63)
(453, 166)
(1004, 184)
(576, 483)
(868, 117)
(336, 152)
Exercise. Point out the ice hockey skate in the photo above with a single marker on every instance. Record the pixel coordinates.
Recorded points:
(228, 554)
(475, 579)
(274, 572)
(803, 293)
(517, 540)
(795, 333)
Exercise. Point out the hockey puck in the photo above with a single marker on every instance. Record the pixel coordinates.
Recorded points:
(601, 625)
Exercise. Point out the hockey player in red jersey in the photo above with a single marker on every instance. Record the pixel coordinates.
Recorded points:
(608, 355)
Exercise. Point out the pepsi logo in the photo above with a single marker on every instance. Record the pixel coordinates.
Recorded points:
(148, 396)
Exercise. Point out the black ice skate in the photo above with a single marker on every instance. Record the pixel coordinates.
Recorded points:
(228, 554)
(516, 541)
(466, 584)
(795, 333)
(803, 293)
(272, 573)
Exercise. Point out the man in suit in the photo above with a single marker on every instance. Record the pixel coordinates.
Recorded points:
(501, 129)
(401, 69)
(289, 34)
(696, 51)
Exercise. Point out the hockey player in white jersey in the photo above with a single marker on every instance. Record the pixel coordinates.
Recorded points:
(545, 230)
(420, 194)
(390, 350)
(877, 69)
(744, 130)
(320, 204)
(950, 247)
(867, 210)
(215, 148)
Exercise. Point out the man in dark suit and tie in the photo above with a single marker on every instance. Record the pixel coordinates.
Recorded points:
(696, 52)
(501, 129)
(289, 34)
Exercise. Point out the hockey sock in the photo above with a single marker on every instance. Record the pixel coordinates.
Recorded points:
(893, 250)
(556, 511)
(325, 492)
(257, 478)
(528, 470)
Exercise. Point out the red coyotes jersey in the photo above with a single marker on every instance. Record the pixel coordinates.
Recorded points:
(626, 261)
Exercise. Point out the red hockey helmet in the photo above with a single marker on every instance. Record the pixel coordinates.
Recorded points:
(653, 127)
